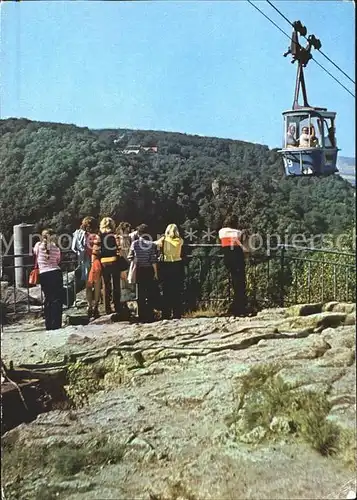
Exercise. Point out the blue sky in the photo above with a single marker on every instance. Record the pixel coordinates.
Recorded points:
(208, 68)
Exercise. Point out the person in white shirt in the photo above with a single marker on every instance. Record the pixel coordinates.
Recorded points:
(308, 138)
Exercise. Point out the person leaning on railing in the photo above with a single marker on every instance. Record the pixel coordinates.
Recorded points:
(233, 255)
(48, 256)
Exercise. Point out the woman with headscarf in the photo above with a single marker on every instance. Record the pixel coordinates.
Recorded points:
(106, 249)
(171, 272)
(48, 256)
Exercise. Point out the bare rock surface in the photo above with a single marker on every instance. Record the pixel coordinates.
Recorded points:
(170, 409)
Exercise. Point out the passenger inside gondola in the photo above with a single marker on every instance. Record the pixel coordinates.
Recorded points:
(304, 139)
(308, 138)
(291, 142)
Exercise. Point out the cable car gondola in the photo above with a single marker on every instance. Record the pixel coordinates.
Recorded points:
(309, 145)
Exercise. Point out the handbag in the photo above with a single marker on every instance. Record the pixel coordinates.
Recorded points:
(132, 272)
(34, 278)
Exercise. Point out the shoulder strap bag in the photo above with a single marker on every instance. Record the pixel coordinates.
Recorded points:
(34, 277)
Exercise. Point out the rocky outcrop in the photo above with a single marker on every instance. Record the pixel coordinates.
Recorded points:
(15, 300)
(170, 400)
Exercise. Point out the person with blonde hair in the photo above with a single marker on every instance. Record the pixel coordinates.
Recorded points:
(171, 272)
(106, 248)
(48, 256)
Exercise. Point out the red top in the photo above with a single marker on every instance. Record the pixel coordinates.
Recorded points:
(229, 237)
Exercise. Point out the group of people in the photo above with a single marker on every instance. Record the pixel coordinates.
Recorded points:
(111, 257)
(108, 257)
(308, 138)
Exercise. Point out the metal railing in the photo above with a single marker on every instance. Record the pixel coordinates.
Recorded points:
(316, 275)
(286, 276)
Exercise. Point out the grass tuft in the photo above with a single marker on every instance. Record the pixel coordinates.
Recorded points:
(204, 312)
(264, 399)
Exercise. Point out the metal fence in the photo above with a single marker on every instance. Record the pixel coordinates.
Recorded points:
(316, 275)
(288, 275)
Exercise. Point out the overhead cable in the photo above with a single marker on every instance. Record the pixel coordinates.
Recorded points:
(288, 36)
(322, 53)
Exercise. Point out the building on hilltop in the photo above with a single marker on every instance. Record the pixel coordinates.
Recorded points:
(137, 148)
(132, 149)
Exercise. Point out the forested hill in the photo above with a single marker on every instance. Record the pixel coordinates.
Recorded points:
(54, 174)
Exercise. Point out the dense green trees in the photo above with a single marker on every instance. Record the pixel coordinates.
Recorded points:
(55, 174)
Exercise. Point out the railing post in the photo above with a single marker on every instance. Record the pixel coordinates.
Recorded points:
(346, 279)
(334, 282)
(2, 312)
(282, 264)
(268, 273)
(22, 233)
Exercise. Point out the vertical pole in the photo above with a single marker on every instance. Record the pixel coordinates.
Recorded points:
(303, 87)
(22, 233)
(282, 264)
(334, 282)
(1, 255)
(268, 273)
(300, 80)
(67, 292)
(27, 272)
(297, 88)
(2, 310)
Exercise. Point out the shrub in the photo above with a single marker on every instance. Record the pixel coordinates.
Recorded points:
(263, 398)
